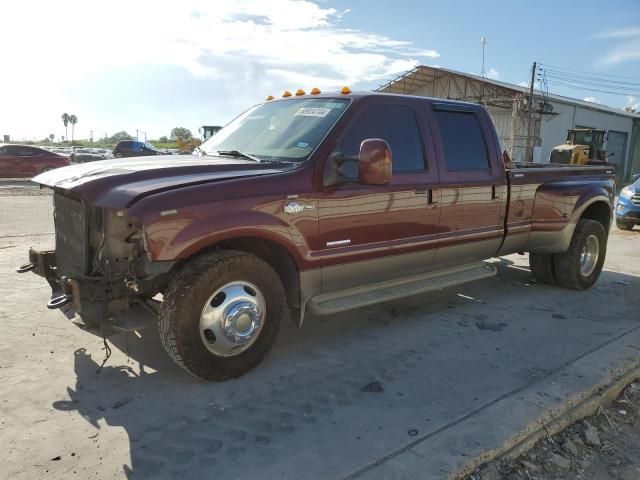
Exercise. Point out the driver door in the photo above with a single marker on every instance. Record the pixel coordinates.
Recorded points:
(375, 233)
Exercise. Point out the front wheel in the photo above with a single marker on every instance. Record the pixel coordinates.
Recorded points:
(221, 314)
(579, 267)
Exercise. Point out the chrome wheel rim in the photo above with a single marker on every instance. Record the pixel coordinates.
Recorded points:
(589, 255)
(232, 318)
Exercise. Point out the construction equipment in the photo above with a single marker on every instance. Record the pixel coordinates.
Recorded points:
(187, 146)
(209, 131)
(584, 146)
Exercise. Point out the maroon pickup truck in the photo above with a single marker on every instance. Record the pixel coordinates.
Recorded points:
(312, 203)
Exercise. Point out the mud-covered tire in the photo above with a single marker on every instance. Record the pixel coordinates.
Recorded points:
(623, 225)
(191, 289)
(568, 264)
(542, 267)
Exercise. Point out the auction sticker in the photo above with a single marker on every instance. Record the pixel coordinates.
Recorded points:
(312, 112)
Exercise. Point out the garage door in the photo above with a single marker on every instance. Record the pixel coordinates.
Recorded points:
(617, 144)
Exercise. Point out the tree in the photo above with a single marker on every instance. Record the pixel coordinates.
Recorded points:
(163, 139)
(630, 109)
(51, 137)
(72, 120)
(121, 135)
(65, 120)
(180, 132)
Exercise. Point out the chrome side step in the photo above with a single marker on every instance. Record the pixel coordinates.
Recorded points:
(333, 302)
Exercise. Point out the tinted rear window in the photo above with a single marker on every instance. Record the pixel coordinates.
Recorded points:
(462, 141)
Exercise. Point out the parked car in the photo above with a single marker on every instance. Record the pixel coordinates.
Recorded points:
(628, 205)
(133, 148)
(22, 161)
(315, 203)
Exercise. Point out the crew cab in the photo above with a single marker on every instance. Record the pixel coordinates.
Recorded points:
(311, 203)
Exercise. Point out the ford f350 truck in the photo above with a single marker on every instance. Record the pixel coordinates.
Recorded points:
(312, 203)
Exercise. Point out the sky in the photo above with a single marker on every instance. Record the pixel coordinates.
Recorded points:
(151, 65)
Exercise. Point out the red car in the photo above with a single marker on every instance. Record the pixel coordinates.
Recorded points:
(21, 161)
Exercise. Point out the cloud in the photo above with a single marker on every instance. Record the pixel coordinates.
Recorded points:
(493, 74)
(633, 103)
(629, 50)
(622, 53)
(243, 50)
(592, 99)
(620, 33)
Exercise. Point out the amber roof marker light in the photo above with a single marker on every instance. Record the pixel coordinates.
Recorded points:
(270, 97)
(286, 93)
(300, 92)
(345, 90)
(315, 91)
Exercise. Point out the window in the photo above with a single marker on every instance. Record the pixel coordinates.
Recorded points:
(462, 141)
(397, 125)
(286, 130)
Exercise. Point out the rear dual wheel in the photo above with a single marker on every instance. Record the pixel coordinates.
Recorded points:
(579, 267)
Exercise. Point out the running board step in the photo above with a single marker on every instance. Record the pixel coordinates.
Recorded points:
(329, 303)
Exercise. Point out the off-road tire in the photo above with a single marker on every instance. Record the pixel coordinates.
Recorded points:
(195, 282)
(567, 264)
(542, 267)
(624, 225)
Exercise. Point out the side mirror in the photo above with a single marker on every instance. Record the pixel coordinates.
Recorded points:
(374, 162)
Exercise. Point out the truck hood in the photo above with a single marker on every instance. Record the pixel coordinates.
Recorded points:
(117, 183)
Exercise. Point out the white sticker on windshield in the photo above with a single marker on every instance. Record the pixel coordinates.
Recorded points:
(313, 112)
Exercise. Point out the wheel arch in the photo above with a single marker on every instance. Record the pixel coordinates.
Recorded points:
(274, 253)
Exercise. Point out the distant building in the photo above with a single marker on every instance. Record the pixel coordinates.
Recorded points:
(553, 115)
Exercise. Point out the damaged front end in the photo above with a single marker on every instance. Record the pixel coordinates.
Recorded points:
(99, 267)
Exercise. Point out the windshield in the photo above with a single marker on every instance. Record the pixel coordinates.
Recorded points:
(283, 130)
(150, 146)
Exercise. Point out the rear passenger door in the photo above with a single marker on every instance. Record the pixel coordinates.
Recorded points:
(473, 187)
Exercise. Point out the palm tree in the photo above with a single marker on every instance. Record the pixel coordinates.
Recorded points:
(51, 137)
(65, 120)
(72, 120)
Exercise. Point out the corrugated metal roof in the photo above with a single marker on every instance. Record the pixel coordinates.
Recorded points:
(519, 89)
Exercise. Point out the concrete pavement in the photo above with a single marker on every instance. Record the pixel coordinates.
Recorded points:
(462, 371)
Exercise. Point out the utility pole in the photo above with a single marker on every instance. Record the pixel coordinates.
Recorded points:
(136, 134)
(530, 119)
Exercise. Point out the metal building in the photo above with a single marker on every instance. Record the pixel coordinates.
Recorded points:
(508, 105)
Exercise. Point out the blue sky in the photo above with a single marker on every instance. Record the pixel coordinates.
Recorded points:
(196, 62)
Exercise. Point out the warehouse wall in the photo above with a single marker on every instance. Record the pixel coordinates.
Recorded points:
(554, 128)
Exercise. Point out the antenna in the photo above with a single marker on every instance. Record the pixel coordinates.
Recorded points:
(483, 72)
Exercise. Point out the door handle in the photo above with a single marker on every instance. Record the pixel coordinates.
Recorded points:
(431, 198)
(421, 191)
(494, 194)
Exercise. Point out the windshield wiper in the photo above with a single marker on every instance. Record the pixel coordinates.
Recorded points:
(200, 151)
(238, 154)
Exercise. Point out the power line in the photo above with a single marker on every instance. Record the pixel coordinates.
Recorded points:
(591, 79)
(577, 87)
(543, 65)
(580, 83)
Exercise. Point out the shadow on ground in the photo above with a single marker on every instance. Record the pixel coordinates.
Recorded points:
(304, 414)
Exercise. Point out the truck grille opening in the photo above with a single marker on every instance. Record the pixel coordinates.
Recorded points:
(71, 235)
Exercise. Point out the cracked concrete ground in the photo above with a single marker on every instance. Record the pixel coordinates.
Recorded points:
(459, 371)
